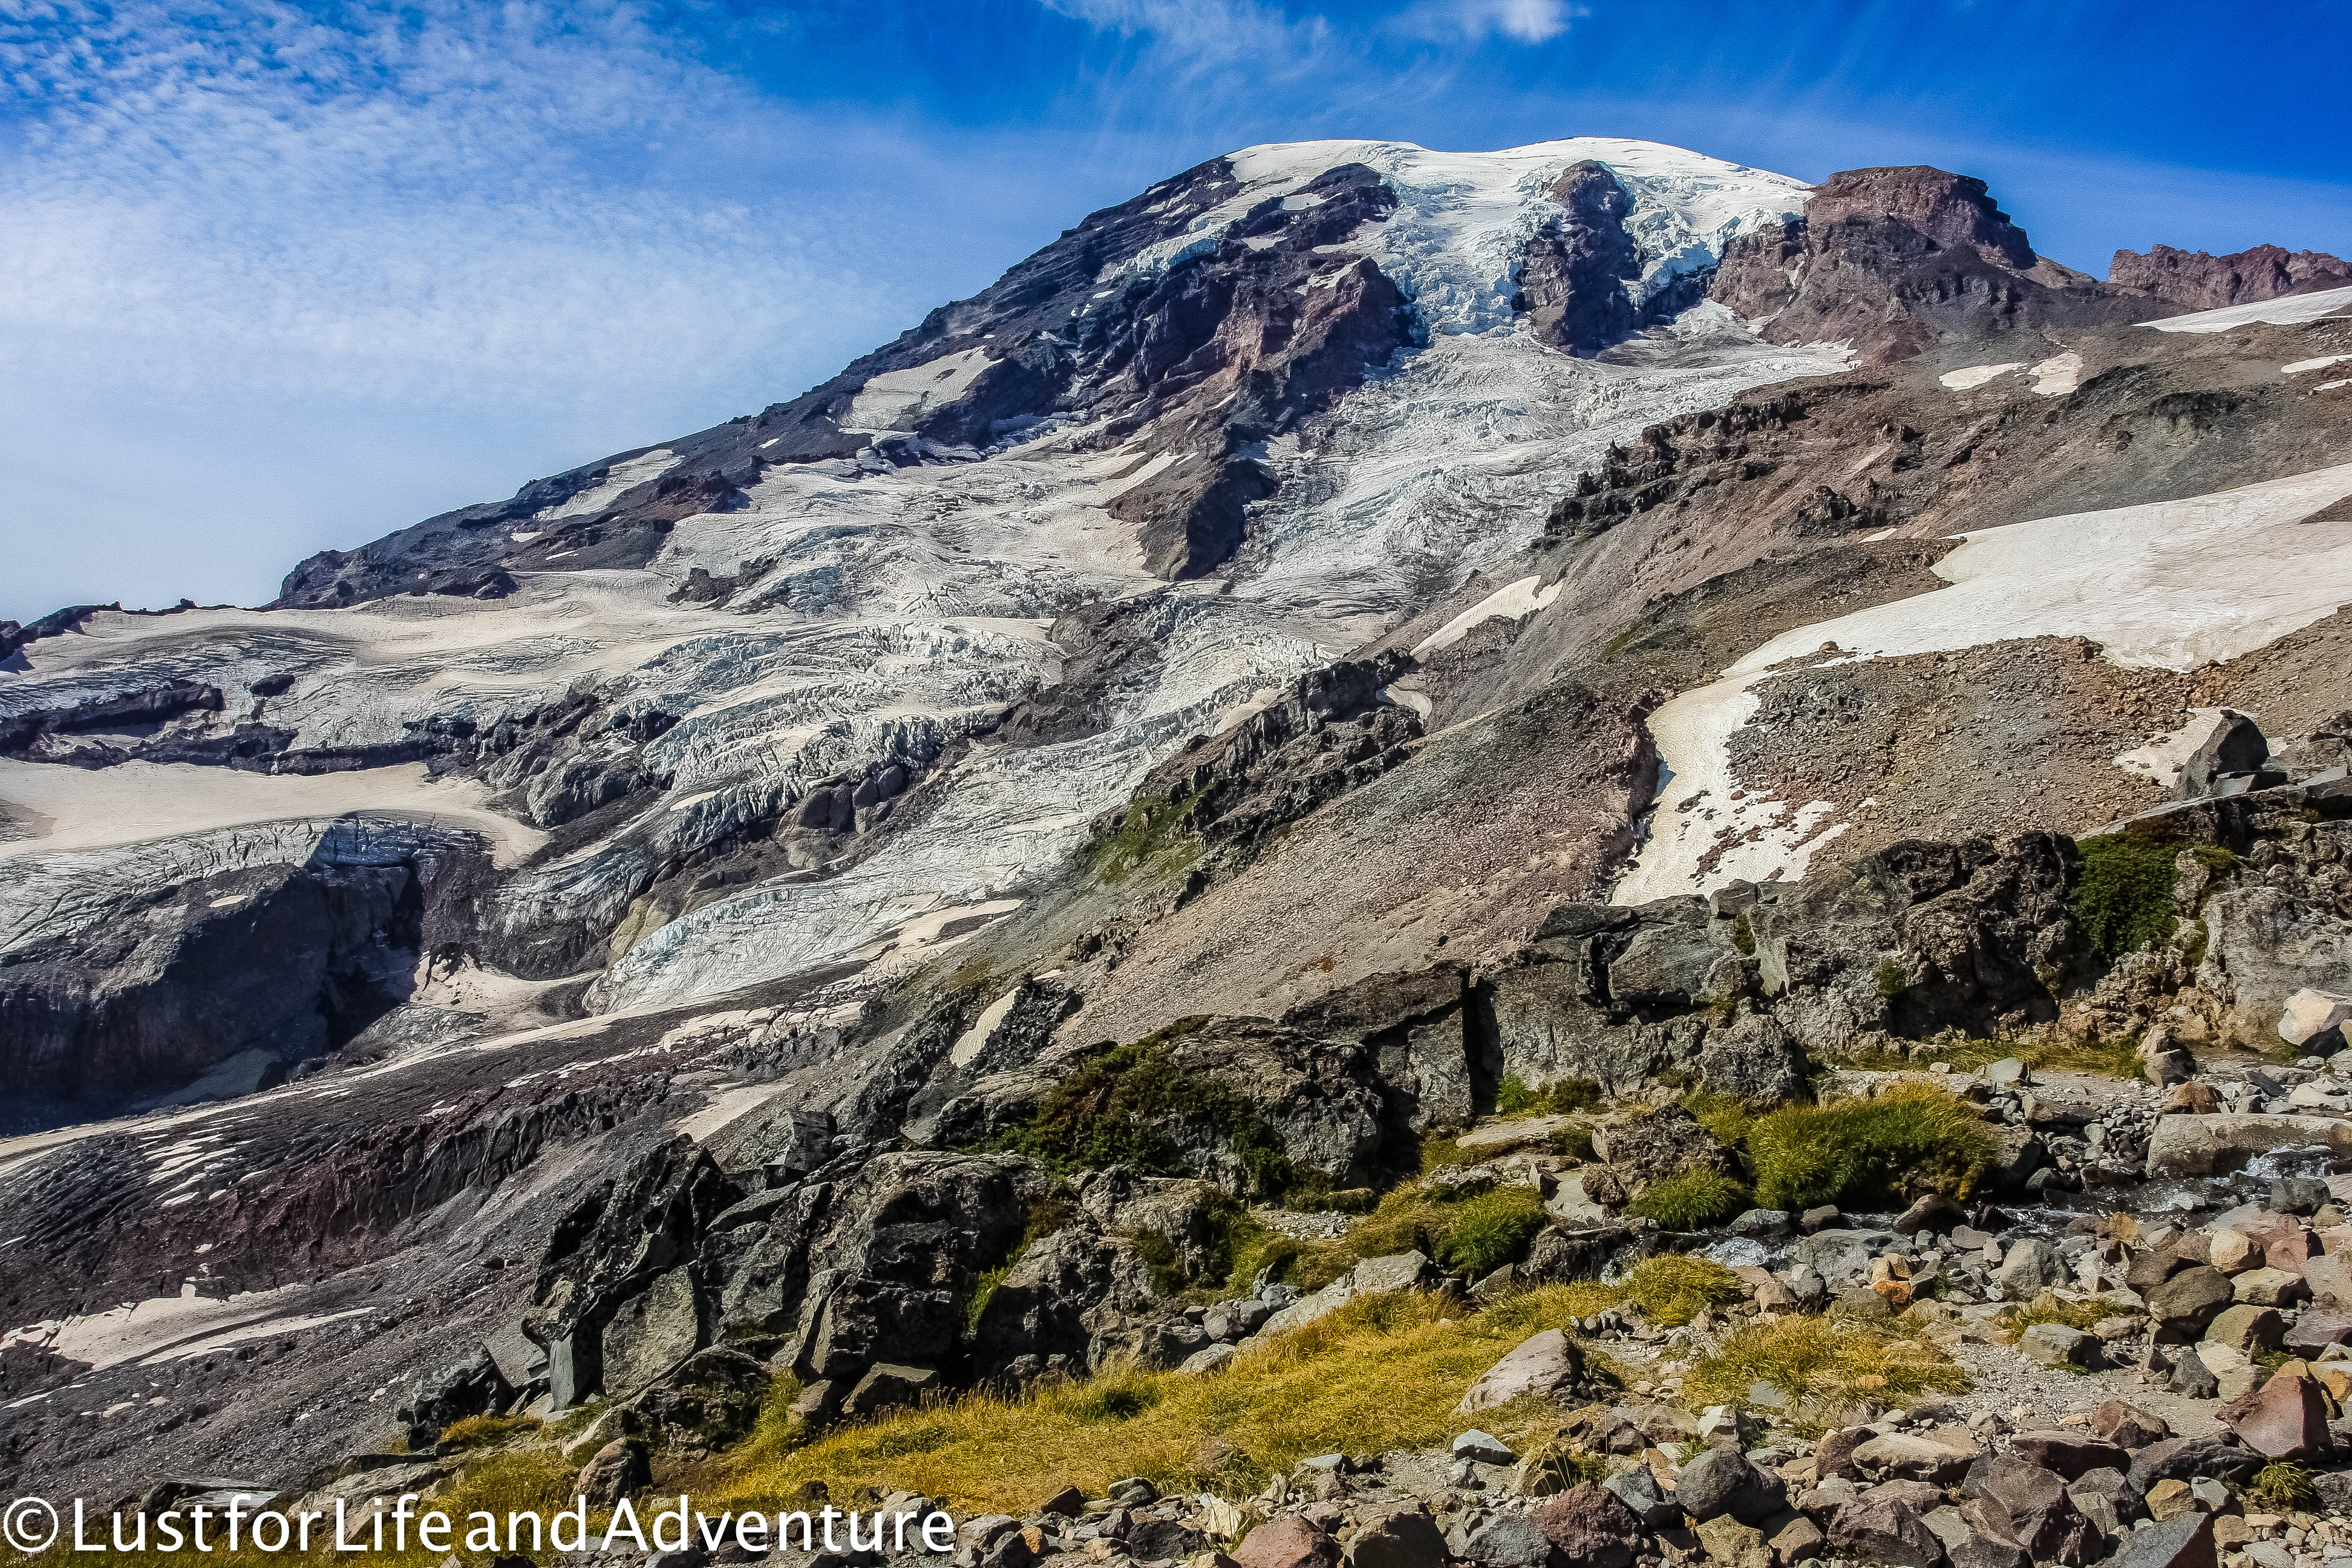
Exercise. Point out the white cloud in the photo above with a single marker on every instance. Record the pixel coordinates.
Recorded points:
(1522, 21)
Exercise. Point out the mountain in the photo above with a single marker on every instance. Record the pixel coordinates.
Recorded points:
(1366, 624)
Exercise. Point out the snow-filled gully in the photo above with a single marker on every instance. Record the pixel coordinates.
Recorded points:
(2171, 585)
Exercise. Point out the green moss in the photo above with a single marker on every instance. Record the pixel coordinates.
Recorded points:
(1573, 1142)
(1743, 935)
(1514, 1098)
(2123, 891)
(1893, 981)
(1573, 1094)
(1151, 834)
(1909, 1139)
(1491, 1229)
(1692, 1199)
(1120, 1109)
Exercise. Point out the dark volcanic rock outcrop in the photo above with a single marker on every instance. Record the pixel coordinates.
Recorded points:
(1574, 275)
(1894, 260)
(2195, 280)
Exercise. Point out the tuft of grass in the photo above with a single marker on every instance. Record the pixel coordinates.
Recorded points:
(1822, 1366)
(1491, 1229)
(1726, 1115)
(1573, 1142)
(485, 1431)
(1893, 980)
(1672, 1289)
(1912, 1138)
(2282, 1486)
(1743, 935)
(2123, 890)
(1692, 1199)
(1381, 1373)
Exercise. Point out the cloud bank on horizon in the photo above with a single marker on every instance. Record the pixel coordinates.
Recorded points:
(280, 276)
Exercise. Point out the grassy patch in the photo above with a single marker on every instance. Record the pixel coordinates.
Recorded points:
(487, 1431)
(1692, 1199)
(2123, 890)
(1383, 1371)
(1470, 1236)
(1673, 1290)
(1150, 835)
(1892, 980)
(1118, 1110)
(1821, 1366)
(2049, 1309)
(2114, 1059)
(1912, 1138)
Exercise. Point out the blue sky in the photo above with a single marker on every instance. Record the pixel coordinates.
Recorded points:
(276, 278)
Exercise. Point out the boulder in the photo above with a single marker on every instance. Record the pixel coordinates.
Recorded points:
(1884, 1531)
(1940, 1454)
(1287, 1541)
(1589, 1523)
(2185, 1458)
(2068, 1454)
(1976, 1536)
(619, 1469)
(1722, 1482)
(1793, 1539)
(1170, 1539)
(2055, 1344)
(2329, 1278)
(2183, 1305)
(1209, 1358)
(1502, 1541)
(2218, 1145)
(2315, 1018)
(1399, 1271)
(2247, 1328)
(1637, 1487)
(2030, 1267)
(2186, 1541)
(2106, 1499)
(1544, 1364)
(1934, 1212)
(1484, 1448)
(2285, 1418)
(2232, 1251)
(2316, 1329)
(710, 1401)
(2191, 1377)
(885, 1384)
(2127, 1425)
(1732, 1544)
(2269, 1288)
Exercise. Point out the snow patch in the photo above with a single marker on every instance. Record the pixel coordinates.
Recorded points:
(1976, 375)
(967, 1048)
(897, 399)
(2302, 365)
(619, 480)
(2059, 374)
(2278, 313)
(1515, 601)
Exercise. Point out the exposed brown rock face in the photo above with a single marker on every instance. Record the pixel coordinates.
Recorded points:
(1572, 279)
(1892, 260)
(2196, 282)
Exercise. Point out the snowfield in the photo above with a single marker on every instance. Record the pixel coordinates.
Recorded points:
(2170, 585)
